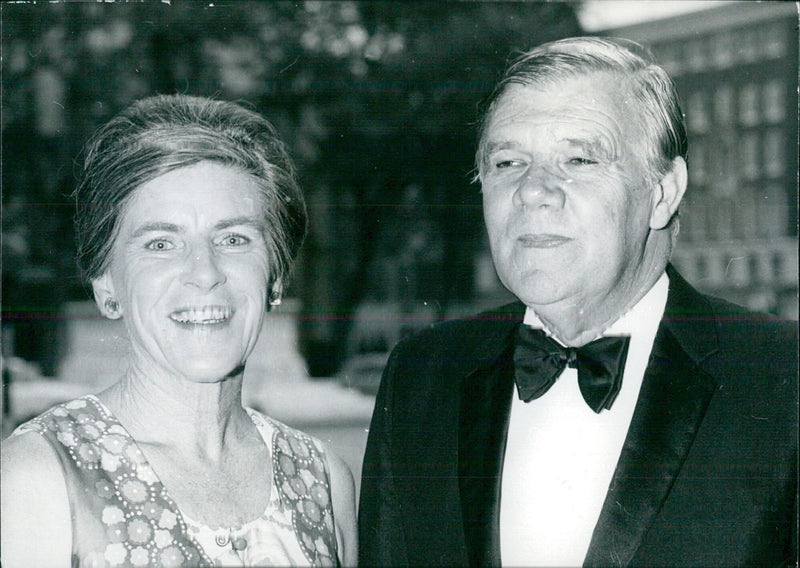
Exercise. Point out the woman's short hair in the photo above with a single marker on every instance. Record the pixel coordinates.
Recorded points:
(162, 133)
(635, 67)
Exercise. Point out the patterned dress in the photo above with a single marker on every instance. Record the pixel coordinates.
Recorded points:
(123, 516)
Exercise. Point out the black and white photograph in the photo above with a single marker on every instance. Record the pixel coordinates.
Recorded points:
(399, 283)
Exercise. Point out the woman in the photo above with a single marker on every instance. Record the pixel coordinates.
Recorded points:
(188, 221)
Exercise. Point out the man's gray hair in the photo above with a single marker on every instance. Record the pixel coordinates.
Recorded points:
(633, 64)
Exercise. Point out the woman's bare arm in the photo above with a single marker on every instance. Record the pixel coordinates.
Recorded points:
(36, 527)
(344, 509)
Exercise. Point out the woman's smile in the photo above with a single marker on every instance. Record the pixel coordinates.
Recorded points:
(191, 269)
(202, 315)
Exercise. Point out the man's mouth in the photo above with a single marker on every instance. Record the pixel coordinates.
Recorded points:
(204, 315)
(542, 240)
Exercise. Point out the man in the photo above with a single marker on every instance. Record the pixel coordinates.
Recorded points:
(689, 460)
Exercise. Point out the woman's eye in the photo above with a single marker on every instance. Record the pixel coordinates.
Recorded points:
(234, 240)
(159, 245)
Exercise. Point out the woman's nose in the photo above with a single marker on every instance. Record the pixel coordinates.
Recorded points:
(540, 188)
(203, 270)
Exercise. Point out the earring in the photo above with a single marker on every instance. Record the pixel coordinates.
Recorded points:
(274, 299)
(111, 305)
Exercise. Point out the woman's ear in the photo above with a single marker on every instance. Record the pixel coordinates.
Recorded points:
(274, 295)
(105, 297)
(669, 194)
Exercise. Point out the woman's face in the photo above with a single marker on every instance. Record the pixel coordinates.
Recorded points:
(190, 271)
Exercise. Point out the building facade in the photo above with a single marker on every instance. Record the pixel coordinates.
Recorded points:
(736, 70)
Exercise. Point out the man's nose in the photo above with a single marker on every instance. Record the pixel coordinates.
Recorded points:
(202, 269)
(540, 188)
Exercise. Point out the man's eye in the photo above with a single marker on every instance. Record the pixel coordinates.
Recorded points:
(159, 245)
(503, 164)
(233, 240)
(581, 161)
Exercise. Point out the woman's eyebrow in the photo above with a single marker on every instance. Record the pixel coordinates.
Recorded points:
(161, 226)
(254, 222)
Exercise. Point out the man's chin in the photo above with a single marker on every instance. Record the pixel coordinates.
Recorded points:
(538, 290)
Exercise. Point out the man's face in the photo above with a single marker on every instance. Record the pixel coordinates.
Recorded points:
(566, 201)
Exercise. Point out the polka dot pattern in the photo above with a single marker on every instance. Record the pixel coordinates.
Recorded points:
(141, 524)
(303, 482)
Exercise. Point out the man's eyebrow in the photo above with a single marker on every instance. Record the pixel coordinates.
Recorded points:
(591, 144)
(255, 222)
(494, 146)
(157, 226)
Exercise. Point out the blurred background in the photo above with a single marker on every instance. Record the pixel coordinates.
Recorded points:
(378, 103)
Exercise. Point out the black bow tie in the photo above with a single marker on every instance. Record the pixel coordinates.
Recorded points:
(539, 360)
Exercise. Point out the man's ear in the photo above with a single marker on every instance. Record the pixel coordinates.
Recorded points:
(105, 297)
(669, 194)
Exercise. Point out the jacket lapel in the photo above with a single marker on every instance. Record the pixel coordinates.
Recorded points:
(485, 410)
(674, 396)
(486, 391)
(469, 361)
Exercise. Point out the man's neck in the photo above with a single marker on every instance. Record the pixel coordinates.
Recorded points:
(576, 325)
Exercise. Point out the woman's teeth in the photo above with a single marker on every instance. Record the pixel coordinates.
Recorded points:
(203, 316)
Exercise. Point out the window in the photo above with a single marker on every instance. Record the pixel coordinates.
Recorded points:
(722, 50)
(722, 218)
(695, 55)
(773, 39)
(774, 155)
(697, 117)
(697, 164)
(746, 213)
(669, 60)
(748, 105)
(772, 211)
(748, 44)
(724, 154)
(723, 105)
(748, 155)
(693, 215)
(774, 101)
(777, 263)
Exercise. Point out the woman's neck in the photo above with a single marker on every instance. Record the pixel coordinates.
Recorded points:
(191, 418)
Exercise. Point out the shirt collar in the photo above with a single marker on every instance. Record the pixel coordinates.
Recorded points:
(643, 318)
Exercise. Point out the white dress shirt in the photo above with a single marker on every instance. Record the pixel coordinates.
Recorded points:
(560, 455)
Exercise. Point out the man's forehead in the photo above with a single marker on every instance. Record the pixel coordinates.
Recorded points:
(588, 141)
(581, 111)
(597, 90)
(584, 130)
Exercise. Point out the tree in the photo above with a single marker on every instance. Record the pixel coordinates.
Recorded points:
(377, 101)
(399, 147)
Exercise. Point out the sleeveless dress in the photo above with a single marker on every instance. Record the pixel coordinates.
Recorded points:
(123, 516)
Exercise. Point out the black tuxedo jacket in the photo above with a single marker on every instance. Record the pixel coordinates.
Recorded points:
(707, 475)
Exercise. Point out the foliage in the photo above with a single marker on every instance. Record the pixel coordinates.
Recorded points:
(376, 99)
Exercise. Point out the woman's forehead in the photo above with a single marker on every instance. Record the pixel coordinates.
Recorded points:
(205, 190)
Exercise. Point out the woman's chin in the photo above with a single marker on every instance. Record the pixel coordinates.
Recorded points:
(209, 371)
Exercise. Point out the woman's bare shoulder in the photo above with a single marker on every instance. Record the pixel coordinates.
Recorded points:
(343, 496)
(21, 451)
(33, 504)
